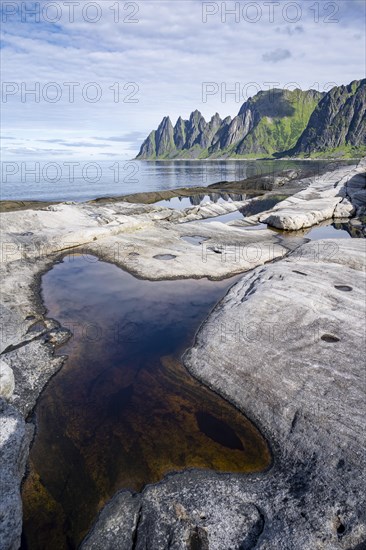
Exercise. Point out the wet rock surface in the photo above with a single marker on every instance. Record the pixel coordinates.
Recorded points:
(303, 388)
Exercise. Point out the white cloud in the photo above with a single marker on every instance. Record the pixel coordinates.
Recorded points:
(276, 55)
(168, 55)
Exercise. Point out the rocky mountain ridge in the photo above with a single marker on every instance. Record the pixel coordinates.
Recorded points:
(273, 123)
(338, 121)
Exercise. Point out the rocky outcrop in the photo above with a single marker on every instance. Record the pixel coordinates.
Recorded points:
(113, 530)
(325, 198)
(339, 121)
(300, 381)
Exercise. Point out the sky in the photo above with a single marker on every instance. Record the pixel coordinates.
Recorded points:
(105, 73)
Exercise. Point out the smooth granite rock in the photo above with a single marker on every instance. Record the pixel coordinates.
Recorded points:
(303, 391)
(7, 382)
(14, 443)
(324, 199)
(287, 346)
(116, 525)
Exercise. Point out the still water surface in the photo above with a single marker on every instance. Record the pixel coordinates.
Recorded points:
(123, 411)
(84, 180)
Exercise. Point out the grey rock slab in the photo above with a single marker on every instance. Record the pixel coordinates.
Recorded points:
(33, 365)
(115, 528)
(7, 382)
(196, 512)
(286, 345)
(323, 199)
(356, 190)
(225, 250)
(14, 442)
(194, 509)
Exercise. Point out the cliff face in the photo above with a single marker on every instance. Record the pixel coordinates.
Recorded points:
(339, 121)
(272, 123)
(164, 138)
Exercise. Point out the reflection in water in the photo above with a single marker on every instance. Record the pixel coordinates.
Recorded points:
(123, 411)
(329, 229)
(261, 205)
(179, 203)
(123, 178)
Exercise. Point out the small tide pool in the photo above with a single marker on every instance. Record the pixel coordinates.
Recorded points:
(123, 411)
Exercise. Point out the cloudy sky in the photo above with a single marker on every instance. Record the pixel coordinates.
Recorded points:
(104, 73)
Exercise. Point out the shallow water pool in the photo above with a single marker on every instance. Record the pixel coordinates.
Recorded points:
(123, 411)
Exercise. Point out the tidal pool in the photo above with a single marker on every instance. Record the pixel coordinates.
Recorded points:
(329, 229)
(123, 411)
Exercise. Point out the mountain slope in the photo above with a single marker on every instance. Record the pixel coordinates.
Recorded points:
(273, 123)
(338, 122)
(281, 116)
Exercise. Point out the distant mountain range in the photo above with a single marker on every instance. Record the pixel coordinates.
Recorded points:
(272, 124)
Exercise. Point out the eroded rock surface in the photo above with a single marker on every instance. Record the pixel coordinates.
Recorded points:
(293, 359)
(14, 444)
(286, 346)
(7, 382)
(325, 198)
(301, 383)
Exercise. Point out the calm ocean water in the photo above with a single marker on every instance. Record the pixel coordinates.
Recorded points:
(68, 180)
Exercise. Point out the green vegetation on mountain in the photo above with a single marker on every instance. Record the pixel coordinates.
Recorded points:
(273, 123)
(337, 126)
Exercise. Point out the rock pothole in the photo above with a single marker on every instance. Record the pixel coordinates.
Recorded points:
(329, 338)
(340, 528)
(164, 257)
(198, 539)
(38, 326)
(215, 249)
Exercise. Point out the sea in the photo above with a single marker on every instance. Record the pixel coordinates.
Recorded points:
(77, 180)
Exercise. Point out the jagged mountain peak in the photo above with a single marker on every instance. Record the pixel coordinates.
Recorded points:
(166, 121)
(215, 119)
(271, 123)
(196, 116)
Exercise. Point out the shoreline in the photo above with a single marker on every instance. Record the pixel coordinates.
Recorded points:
(147, 231)
(233, 159)
(149, 197)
